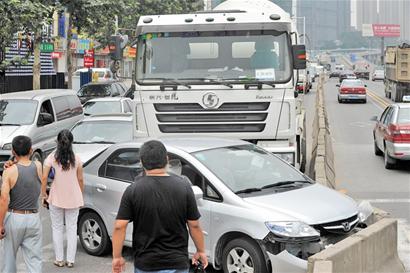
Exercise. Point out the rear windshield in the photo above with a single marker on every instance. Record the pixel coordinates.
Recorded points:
(101, 107)
(100, 90)
(404, 116)
(352, 83)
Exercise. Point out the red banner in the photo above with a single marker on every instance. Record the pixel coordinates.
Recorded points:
(89, 58)
(386, 30)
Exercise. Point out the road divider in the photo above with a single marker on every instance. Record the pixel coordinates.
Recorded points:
(373, 249)
(322, 167)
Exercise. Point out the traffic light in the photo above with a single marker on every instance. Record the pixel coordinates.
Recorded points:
(116, 46)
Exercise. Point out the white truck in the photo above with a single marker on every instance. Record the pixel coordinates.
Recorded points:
(229, 72)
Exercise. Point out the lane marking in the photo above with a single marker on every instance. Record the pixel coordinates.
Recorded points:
(381, 101)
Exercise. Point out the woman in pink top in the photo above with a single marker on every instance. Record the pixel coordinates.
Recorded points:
(65, 197)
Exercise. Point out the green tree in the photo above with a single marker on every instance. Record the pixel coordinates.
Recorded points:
(28, 17)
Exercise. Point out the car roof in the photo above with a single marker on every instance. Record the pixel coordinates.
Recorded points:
(403, 105)
(38, 94)
(109, 117)
(108, 99)
(190, 144)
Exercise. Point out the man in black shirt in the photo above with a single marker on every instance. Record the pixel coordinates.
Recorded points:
(160, 207)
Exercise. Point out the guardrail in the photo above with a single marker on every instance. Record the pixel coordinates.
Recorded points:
(322, 160)
(373, 249)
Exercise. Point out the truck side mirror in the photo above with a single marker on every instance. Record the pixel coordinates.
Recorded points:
(299, 56)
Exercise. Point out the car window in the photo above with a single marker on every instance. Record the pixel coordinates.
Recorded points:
(352, 83)
(75, 105)
(62, 107)
(122, 88)
(102, 131)
(123, 164)
(197, 179)
(46, 107)
(115, 90)
(389, 114)
(403, 116)
(101, 107)
(10, 111)
(95, 90)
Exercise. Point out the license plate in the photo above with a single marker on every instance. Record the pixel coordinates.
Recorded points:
(353, 97)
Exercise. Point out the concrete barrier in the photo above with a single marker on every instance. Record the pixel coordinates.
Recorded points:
(322, 160)
(373, 249)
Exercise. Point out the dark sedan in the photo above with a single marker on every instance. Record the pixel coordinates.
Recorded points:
(101, 89)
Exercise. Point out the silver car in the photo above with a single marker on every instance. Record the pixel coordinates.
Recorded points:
(257, 210)
(392, 134)
(39, 114)
(109, 105)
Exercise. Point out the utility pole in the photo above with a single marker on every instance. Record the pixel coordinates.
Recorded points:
(382, 51)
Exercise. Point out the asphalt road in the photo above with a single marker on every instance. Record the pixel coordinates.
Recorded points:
(358, 171)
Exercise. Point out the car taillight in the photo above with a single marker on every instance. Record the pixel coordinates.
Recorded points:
(344, 90)
(362, 90)
(398, 134)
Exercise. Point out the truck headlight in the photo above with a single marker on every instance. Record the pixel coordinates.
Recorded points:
(288, 157)
(292, 231)
(7, 146)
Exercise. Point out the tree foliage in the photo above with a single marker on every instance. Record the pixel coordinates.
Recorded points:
(24, 16)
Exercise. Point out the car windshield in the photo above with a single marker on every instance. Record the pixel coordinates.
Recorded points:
(346, 83)
(11, 112)
(107, 131)
(247, 166)
(101, 107)
(97, 90)
(404, 116)
(195, 57)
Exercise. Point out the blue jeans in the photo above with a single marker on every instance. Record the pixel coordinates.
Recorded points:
(163, 271)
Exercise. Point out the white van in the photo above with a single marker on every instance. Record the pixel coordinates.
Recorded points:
(38, 114)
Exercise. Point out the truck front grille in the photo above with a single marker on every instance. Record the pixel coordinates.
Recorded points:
(228, 118)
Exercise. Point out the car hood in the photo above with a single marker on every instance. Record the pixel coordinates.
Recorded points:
(313, 204)
(8, 132)
(88, 151)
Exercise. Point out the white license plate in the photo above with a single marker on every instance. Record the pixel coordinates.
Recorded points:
(353, 97)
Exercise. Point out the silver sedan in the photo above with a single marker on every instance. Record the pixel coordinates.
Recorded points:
(257, 210)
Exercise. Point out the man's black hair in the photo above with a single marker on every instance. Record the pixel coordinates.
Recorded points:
(153, 155)
(21, 145)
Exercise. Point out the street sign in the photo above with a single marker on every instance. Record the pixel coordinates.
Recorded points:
(380, 30)
(46, 47)
(89, 58)
(56, 55)
(386, 30)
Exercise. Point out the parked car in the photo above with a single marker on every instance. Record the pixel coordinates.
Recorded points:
(101, 89)
(110, 105)
(94, 134)
(378, 75)
(347, 74)
(392, 134)
(251, 202)
(39, 114)
(352, 90)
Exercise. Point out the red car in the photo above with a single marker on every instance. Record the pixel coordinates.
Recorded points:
(352, 90)
(392, 134)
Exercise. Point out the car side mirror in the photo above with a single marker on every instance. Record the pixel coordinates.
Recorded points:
(198, 193)
(44, 119)
(374, 118)
(337, 85)
(299, 56)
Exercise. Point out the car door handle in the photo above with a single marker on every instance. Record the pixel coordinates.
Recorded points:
(101, 187)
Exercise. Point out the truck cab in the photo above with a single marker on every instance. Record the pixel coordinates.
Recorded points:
(230, 72)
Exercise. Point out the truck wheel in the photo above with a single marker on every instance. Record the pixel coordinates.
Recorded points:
(243, 256)
(93, 234)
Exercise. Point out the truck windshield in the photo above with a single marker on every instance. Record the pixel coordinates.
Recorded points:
(214, 57)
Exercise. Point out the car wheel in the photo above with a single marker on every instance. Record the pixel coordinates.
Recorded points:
(36, 156)
(389, 162)
(243, 256)
(93, 235)
(377, 151)
(339, 100)
(364, 101)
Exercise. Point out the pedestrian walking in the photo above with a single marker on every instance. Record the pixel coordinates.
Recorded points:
(65, 197)
(20, 224)
(161, 207)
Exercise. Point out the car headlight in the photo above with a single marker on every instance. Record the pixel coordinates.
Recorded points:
(288, 157)
(7, 146)
(286, 231)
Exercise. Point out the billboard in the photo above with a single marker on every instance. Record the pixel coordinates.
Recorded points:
(381, 30)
